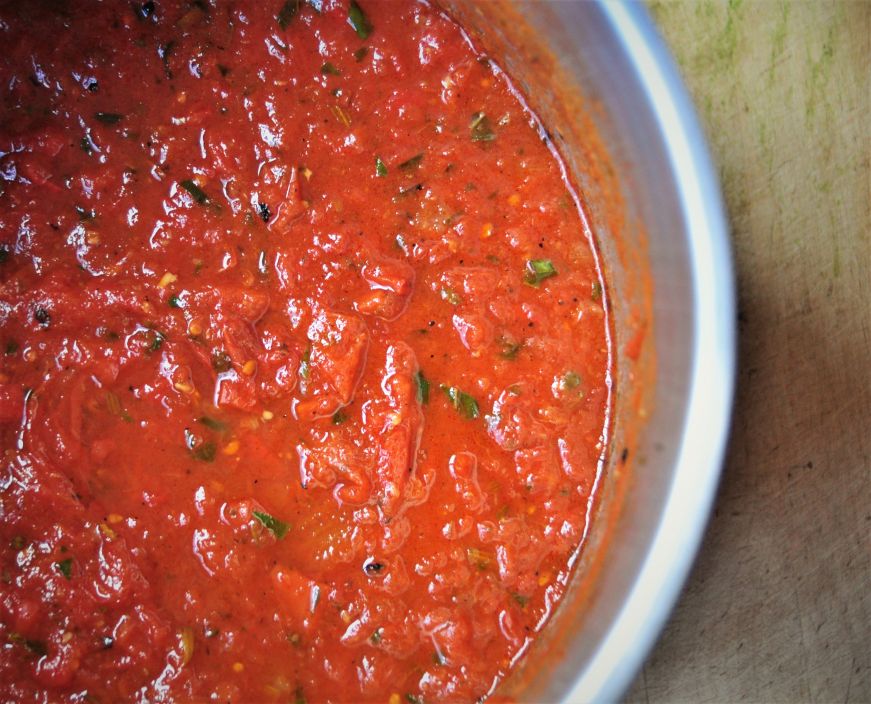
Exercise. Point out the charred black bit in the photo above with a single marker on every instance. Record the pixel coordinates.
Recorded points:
(146, 9)
(624, 455)
(264, 212)
(108, 118)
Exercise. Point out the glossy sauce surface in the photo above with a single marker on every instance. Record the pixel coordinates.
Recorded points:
(305, 367)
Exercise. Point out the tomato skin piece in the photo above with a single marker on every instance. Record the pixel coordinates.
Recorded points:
(298, 598)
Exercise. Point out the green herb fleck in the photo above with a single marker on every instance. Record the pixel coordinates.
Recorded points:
(339, 417)
(462, 402)
(596, 294)
(451, 296)
(299, 696)
(328, 68)
(157, 339)
(380, 167)
(481, 129)
(570, 380)
(413, 699)
(113, 403)
(376, 636)
(305, 364)
(205, 452)
(508, 348)
(411, 163)
(276, 527)
(11, 347)
(85, 214)
(521, 600)
(479, 558)
(175, 302)
(360, 54)
(212, 423)
(108, 118)
(422, 387)
(537, 270)
(65, 567)
(358, 20)
(287, 13)
(86, 145)
(197, 193)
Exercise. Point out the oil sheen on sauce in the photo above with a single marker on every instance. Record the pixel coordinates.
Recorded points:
(304, 358)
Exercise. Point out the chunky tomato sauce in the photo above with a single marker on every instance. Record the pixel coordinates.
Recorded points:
(304, 362)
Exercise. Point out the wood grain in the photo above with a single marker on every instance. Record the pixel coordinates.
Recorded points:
(778, 607)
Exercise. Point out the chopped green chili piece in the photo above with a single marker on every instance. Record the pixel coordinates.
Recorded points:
(380, 167)
(358, 20)
(205, 452)
(422, 387)
(481, 129)
(198, 194)
(411, 163)
(212, 423)
(108, 118)
(65, 567)
(461, 401)
(276, 527)
(537, 270)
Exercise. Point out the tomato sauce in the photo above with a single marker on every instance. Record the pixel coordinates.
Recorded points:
(304, 358)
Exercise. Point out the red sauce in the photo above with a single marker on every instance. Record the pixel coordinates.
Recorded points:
(304, 376)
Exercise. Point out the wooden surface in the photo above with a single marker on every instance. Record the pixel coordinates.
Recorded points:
(778, 606)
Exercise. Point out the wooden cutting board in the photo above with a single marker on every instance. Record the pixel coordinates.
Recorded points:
(778, 607)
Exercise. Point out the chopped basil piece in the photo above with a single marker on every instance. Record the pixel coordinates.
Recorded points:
(287, 13)
(328, 68)
(198, 194)
(221, 362)
(360, 54)
(481, 129)
(537, 270)
(411, 163)
(175, 302)
(108, 118)
(212, 423)
(521, 600)
(358, 20)
(451, 296)
(276, 527)
(205, 452)
(65, 567)
(380, 167)
(113, 403)
(339, 417)
(422, 387)
(462, 402)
